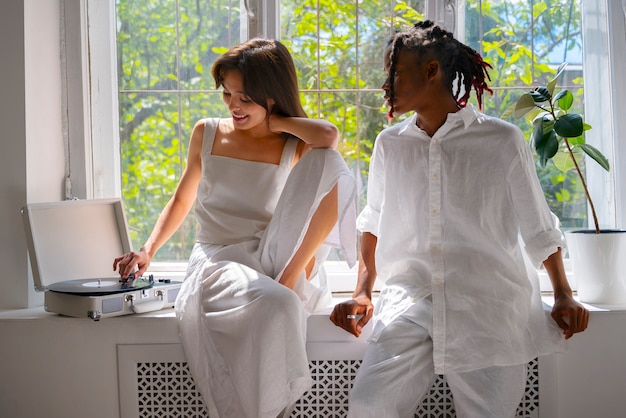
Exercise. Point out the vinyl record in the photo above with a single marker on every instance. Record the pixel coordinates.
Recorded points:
(100, 287)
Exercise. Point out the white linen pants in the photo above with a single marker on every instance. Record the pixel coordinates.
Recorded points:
(397, 372)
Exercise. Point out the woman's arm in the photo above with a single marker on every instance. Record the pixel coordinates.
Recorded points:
(172, 215)
(316, 133)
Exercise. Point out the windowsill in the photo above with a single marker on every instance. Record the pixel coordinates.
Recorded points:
(341, 281)
(39, 313)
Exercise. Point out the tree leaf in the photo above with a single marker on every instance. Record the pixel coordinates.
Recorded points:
(569, 125)
(596, 155)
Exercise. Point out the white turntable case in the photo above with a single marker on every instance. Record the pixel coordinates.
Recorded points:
(77, 240)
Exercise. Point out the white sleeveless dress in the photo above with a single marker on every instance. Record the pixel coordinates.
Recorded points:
(244, 333)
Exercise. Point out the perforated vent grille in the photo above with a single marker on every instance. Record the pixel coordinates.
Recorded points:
(167, 390)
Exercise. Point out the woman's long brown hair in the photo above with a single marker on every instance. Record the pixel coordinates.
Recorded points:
(268, 72)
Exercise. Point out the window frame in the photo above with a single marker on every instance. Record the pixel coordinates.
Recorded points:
(93, 119)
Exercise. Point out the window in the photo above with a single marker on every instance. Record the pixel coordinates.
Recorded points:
(165, 49)
(525, 42)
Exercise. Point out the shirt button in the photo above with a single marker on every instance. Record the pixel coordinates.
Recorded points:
(435, 212)
(435, 250)
(437, 281)
(435, 176)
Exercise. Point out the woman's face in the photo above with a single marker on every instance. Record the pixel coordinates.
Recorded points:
(410, 83)
(246, 114)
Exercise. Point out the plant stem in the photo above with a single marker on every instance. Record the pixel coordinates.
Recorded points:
(584, 183)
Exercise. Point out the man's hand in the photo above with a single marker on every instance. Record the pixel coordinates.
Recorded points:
(570, 315)
(345, 314)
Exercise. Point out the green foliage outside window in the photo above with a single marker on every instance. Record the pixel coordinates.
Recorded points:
(166, 48)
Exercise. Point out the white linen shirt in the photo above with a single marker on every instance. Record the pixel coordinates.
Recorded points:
(448, 212)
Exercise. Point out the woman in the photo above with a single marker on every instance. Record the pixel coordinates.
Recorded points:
(269, 192)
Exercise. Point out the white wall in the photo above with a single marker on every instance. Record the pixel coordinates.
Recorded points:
(32, 156)
(59, 367)
(13, 155)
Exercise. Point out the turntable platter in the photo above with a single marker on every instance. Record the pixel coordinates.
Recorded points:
(99, 287)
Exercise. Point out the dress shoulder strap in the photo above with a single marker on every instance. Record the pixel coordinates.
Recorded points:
(210, 128)
(289, 151)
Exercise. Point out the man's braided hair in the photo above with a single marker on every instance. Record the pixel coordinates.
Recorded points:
(463, 68)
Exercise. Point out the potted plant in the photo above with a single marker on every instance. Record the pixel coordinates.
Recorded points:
(558, 135)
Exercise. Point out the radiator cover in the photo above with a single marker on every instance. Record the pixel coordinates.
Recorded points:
(155, 382)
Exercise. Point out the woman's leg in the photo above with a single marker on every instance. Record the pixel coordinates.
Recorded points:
(243, 335)
(322, 223)
(314, 212)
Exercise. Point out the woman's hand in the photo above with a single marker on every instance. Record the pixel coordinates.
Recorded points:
(127, 263)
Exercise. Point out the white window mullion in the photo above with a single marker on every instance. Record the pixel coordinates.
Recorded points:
(602, 47)
(444, 13)
(75, 104)
(103, 120)
(260, 17)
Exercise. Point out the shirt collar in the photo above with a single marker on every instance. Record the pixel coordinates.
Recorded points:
(467, 115)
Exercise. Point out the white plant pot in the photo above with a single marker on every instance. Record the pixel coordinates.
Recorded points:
(599, 265)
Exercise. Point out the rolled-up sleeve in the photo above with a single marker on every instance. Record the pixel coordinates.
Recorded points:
(369, 218)
(539, 227)
(543, 245)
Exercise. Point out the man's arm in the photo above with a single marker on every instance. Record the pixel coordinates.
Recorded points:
(570, 315)
(344, 314)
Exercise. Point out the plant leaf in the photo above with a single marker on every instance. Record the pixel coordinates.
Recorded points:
(569, 125)
(563, 161)
(552, 82)
(537, 135)
(540, 94)
(524, 105)
(596, 155)
(565, 99)
(579, 140)
(548, 147)
(508, 111)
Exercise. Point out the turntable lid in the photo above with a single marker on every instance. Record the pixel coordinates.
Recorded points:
(74, 239)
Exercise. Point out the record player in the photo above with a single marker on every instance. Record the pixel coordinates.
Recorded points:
(71, 246)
